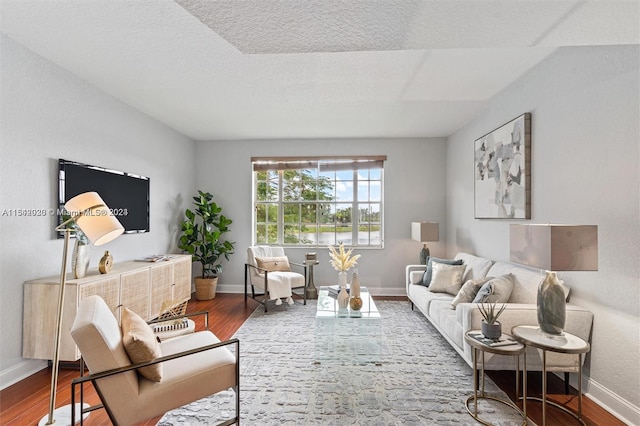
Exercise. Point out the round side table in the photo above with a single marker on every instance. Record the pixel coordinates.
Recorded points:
(311, 292)
(513, 349)
(565, 343)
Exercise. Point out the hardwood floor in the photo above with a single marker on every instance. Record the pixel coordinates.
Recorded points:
(26, 402)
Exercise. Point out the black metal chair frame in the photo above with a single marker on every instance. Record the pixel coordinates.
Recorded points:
(93, 378)
(262, 297)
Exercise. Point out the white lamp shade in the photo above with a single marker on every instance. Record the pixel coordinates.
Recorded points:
(94, 218)
(555, 247)
(425, 231)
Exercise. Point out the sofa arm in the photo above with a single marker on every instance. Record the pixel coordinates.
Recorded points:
(578, 322)
(412, 271)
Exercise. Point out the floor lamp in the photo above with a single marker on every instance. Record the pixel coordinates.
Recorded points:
(92, 216)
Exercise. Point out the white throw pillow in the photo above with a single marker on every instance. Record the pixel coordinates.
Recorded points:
(446, 278)
(274, 264)
(468, 291)
(141, 344)
(496, 290)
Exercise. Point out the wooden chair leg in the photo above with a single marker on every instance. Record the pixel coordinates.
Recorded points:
(566, 383)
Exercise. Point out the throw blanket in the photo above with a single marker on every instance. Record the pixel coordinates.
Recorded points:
(279, 285)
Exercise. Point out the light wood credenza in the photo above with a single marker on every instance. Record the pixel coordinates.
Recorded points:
(140, 286)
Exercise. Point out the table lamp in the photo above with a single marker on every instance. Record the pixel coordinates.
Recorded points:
(554, 248)
(91, 215)
(423, 232)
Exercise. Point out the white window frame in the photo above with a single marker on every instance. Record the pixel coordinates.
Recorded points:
(342, 163)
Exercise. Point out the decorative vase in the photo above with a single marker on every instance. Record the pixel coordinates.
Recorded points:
(80, 260)
(491, 331)
(343, 296)
(552, 306)
(355, 284)
(355, 302)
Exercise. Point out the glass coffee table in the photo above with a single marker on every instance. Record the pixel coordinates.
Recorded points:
(349, 339)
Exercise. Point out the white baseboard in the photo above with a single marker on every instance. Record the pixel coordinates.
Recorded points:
(20, 371)
(613, 403)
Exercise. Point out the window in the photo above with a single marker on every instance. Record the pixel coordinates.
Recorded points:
(318, 201)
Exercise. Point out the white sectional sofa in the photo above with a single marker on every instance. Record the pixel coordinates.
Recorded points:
(521, 310)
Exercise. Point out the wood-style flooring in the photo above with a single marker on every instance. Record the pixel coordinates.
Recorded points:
(27, 401)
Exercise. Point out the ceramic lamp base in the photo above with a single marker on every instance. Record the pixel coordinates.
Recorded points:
(552, 305)
(424, 255)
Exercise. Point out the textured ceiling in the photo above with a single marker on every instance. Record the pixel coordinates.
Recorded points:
(259, 69)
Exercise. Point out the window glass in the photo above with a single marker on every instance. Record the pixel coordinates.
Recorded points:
(318, 202)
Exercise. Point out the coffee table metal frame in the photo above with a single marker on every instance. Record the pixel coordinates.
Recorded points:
(515, 350)
(565, 343)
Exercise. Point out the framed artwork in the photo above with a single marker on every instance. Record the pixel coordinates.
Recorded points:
(502, 176)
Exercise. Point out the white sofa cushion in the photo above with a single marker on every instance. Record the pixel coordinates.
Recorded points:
(525, 286)
(477, 267)
(497, 289)
(446, 278)
(468, 291)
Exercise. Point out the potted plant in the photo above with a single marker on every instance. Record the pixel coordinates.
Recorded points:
(491, 327)
(202, 237)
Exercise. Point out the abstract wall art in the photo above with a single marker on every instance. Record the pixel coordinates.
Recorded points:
(502, 173)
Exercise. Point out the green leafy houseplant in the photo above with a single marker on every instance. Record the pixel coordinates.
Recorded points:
(202, 235)
(491, 328)
(489, 311)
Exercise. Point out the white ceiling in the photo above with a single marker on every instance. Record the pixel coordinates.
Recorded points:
(260, 69)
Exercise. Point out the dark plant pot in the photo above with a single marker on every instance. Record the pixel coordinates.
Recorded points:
(491, 331)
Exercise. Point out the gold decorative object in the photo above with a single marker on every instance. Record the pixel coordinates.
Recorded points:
(355, 303)
(105, 263)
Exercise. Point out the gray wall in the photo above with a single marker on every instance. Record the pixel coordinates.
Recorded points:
(414, 176)
(48, 113)
(585, 170)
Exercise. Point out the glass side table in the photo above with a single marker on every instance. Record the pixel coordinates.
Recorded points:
(513, 349)
(566, 343)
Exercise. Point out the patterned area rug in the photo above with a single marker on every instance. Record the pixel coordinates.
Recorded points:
(420, 381)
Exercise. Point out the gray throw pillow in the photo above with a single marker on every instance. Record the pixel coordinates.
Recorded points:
(446, 278)
(468, 291)
(496, 290)
(426, 278)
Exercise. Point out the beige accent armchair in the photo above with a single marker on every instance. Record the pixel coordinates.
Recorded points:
(272, 284)
(194, 366)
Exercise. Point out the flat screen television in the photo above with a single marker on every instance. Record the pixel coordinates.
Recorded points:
(126, 194)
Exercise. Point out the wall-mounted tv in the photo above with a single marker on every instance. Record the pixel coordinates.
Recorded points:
(126, 194)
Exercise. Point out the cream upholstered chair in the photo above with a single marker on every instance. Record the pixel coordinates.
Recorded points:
(268, 268)
(193, 366)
